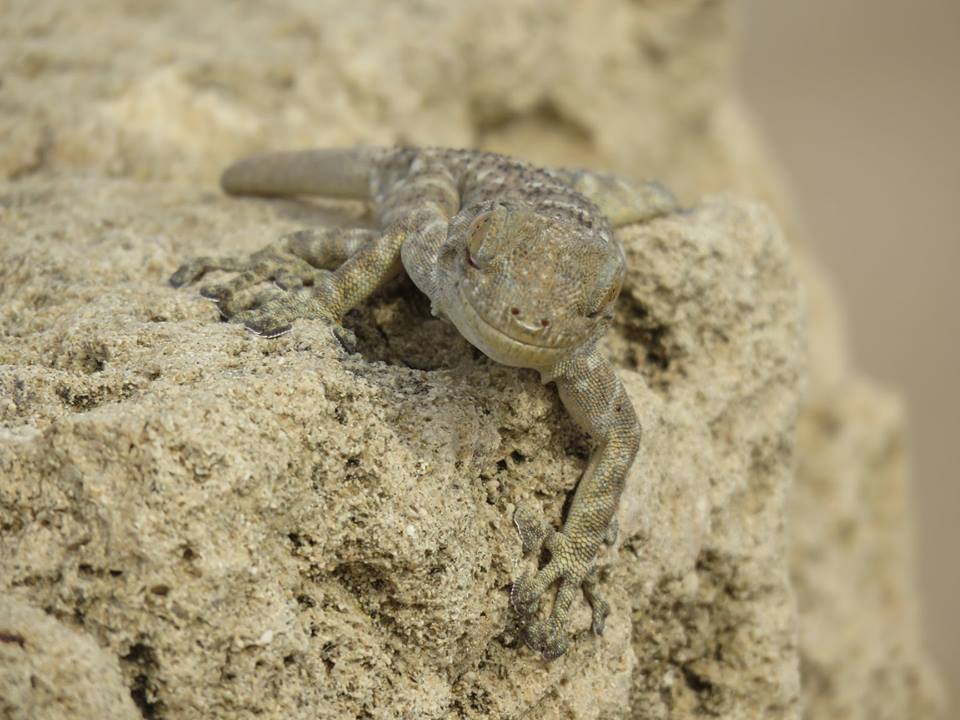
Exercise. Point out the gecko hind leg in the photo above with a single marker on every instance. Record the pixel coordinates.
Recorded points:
(621, 199)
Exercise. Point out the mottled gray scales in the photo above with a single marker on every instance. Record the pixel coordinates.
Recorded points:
(521, 259)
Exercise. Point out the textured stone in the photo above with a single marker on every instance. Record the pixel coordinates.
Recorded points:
(50, 672)
(280, 527)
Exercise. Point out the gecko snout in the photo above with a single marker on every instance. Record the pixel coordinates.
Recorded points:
(530, 322)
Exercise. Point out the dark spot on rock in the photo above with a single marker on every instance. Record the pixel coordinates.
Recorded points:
(143, 688)
(305, 601)
(696, 682)
(12, 637)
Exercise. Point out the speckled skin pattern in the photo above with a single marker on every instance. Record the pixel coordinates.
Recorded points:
(522, 260)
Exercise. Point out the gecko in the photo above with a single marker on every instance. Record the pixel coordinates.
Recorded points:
(522, 260)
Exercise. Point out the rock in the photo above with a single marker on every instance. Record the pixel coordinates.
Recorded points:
(49, 671)
(285, 529)
(277, 526)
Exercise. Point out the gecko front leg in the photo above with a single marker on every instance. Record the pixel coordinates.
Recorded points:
(299, 265)
(595, 397)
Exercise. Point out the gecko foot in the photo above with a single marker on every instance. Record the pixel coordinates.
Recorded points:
(572, 567)
(298, 290)
(274, 315)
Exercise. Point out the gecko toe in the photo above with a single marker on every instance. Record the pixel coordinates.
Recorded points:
(187, 273)
(534, 532)
(599, 608)
(272, 312)
(195, 268)
(346, 337)
(267, 329)
(214, 292)
(571, 573)
(523, 596)
(548, 638)
(261, 323)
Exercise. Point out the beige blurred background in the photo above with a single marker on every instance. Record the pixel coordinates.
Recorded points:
(860, 100)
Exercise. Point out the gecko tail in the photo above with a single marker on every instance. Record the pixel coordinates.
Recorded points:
(329, 172)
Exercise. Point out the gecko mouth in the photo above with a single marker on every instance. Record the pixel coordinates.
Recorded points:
(495, 340)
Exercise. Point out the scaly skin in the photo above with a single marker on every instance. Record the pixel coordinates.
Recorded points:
(522, 260)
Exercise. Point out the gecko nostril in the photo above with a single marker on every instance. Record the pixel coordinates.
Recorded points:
(545, 322)
(514, 311)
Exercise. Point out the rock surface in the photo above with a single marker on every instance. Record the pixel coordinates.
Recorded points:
(285, 529)
(48, 670)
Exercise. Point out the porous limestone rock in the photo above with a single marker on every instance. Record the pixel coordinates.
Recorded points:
(50, 672)
(280, 527)
(285, 529)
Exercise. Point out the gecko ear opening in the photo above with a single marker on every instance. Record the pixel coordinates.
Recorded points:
(484, 227)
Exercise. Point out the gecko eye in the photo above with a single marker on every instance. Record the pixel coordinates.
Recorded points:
(483, 227)
(608, 282)
(607, 299)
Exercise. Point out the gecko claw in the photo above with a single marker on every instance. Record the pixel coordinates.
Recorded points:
(186, 274)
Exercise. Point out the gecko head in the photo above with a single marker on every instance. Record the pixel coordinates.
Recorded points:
(526, 287)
